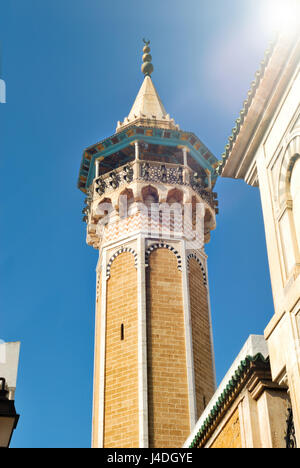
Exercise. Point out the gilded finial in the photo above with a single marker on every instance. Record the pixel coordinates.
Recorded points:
(147, 67)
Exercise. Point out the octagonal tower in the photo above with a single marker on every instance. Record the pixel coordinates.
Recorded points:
(149, 210)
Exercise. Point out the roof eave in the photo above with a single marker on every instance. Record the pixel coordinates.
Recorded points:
(280, 68)
(198, 149)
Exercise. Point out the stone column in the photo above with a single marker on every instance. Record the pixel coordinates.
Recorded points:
(185, 152)
(102, 351)
(137, 150)
(188, 338)
(208, 173)
(97, 164)
(142, 345)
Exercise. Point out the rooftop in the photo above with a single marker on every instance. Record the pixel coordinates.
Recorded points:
(255, 349)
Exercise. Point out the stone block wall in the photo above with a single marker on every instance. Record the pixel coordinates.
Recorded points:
(167, 375)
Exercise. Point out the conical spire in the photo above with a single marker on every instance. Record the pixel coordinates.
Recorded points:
(147, 103)
(148, 109)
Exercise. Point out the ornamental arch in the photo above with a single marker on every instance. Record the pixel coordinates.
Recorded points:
(289, 204)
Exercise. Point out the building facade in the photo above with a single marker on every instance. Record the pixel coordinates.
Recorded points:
(150, 208)
(9, 363)
(249, 409)
(264, 150)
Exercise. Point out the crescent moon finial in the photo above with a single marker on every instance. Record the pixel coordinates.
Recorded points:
(147, 67)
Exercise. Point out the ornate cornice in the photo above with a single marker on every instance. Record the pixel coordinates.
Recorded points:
(157, 136)
(246, 106)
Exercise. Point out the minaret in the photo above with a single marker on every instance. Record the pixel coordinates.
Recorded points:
(149, 210)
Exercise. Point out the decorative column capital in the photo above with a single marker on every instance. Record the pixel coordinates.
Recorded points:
(184, 148)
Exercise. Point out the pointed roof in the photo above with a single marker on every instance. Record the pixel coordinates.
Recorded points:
(148, 108)
(147, 103)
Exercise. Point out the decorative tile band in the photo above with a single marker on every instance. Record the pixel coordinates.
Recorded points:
(152, 135)
(201, 266)
(162, 245)
(116, 254)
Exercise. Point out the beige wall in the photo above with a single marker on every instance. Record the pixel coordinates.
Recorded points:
(96, 409)
(295, 195)
(168, 405)
(121, 421)
(274, 160)
(266, 153)
(230, 436)
(254, 420)
(144, 386)
(277, 163)
(202, 346)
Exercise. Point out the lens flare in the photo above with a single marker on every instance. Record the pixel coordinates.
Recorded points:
(282, 16)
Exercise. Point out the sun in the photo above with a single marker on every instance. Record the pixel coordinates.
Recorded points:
(282, 15)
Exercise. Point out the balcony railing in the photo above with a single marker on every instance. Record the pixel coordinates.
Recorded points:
(155, 172)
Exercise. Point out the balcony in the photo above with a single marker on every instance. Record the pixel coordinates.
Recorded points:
(154, 172)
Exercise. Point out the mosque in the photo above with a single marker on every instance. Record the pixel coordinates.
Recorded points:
(150, 207)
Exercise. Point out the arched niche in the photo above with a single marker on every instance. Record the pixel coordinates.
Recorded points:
(295, 196)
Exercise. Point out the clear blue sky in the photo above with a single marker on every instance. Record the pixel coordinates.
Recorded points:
(72, 69)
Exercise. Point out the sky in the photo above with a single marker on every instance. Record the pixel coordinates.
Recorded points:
(72, 70)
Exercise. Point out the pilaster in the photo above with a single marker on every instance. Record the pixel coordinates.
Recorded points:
(188, 338)
(142, 344)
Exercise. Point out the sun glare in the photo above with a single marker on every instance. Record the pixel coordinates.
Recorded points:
(282, 15)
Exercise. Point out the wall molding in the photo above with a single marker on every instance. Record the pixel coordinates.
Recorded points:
(163, 245)
(192, 255)
(116, 254)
